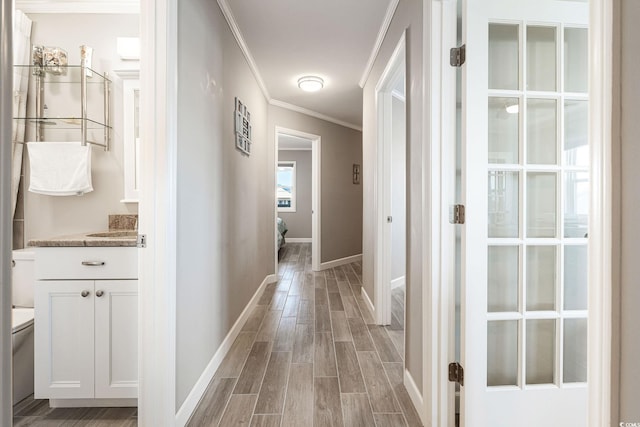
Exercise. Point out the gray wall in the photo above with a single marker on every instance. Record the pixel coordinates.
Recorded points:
(225, 217)
(341, 199)
(626, 150)
(409, 15)
(46, 216)
(398, 190)
(299, 222)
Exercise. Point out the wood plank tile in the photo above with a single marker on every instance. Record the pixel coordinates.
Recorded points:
(357, 268)
(267, 295)
(339, 274)
(321, 297)
(357, 411)
(279, 298)
(303, 344)
(327, 406)
(352, 278)
(397, 337)
(285, 335)
(308, 291)
(395, 373)
(329, 274)
(233, 362)
(320, 281)
(272, 393)
(267, 331)
(351, 307)
(360, 334)
(210, 409)
(345, 289)
(335, 302)
(351, 380)
(380, 391)
(364, 309)
(255, 319)
(306, 311)
(284, 284)
(332, 285)
(265, 421)
(298, 407)
(323, 318)
(389, 420)
(296, 284)
(384, 345)
(324, 356)
(236, 414)
(253, 371)
(291, 306)
(340, 326)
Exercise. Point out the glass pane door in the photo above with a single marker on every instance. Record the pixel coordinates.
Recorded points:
(537, 198)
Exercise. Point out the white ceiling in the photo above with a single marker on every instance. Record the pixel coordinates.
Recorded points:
(333, 39)
(290, 142)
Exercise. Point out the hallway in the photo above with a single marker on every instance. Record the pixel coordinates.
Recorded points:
(310, 355)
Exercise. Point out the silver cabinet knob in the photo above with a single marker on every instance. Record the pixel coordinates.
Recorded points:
(84, 294)
(99, 293)
(93, 263)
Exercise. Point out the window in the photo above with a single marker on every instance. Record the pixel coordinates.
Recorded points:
(286, 189)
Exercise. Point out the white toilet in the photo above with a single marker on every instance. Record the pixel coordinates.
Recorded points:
(22, 333)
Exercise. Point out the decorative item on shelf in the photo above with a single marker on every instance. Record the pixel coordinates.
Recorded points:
(54, 60)
(86, 54)
(242, 127)
(356, 174)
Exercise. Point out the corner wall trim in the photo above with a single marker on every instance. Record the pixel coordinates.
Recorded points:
(396, 283)
(192, 400)
(298, 239)
(414, 394)
(315, 114)
(391, 10)
(341, 261)
(370, 306)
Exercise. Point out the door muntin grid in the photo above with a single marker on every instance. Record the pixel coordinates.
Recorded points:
(537, 205)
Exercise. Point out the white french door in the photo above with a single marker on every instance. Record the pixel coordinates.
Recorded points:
(525, 173)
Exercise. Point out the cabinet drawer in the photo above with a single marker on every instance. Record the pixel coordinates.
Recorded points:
(86, 263)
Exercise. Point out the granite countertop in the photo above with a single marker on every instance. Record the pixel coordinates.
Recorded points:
(116, 238)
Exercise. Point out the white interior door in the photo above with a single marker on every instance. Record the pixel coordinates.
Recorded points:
(525, 185)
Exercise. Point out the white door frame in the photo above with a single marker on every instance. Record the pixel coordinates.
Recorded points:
(316, 200)
(157, 210)
(600, 247)
(382, 185)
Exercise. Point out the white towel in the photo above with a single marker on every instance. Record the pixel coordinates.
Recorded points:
(60, 168)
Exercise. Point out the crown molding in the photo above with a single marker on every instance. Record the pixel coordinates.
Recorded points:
(391, 10)
(315, 114)
(233, 25)
(235, 29)
(87, 6)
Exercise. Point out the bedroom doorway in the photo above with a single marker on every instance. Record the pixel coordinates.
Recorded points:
(391, 236)
(297, 182)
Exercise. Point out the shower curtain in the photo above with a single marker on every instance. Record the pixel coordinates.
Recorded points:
(21, 56)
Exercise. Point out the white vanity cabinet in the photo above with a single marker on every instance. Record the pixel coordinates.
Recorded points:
(86, 319)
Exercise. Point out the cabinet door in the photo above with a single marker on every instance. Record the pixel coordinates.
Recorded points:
(64, 345)
(116, 332)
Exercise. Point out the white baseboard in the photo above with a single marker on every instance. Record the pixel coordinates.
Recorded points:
(341, 261)
(414, 394)
(297, 239)
(370, 306)
(396, 283)
(93, 403)
(192, 400)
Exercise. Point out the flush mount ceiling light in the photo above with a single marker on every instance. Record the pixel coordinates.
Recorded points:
(310, 83)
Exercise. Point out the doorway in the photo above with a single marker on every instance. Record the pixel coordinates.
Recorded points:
(297, 184)
(391, 238)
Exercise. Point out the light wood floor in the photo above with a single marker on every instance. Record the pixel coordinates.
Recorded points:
(311, 355)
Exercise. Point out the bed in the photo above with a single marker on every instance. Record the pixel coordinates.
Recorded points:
(282, 230)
